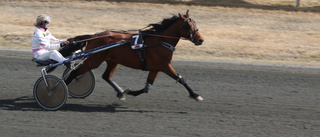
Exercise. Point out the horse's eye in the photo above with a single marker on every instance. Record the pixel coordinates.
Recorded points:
(187, 26)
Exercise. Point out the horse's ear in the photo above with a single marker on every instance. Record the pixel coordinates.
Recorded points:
(181, 16)
(188, 13)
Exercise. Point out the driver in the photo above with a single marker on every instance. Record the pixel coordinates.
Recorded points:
(44, 45)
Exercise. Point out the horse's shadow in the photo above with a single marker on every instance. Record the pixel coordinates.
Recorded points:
(26, 103)
(23, 103)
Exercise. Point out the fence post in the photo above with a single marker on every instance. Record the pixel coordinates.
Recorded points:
(297, 3)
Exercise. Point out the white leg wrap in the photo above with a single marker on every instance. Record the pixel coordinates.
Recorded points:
(147, 87)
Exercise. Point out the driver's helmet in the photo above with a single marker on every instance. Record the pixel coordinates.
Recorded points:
(41, 19)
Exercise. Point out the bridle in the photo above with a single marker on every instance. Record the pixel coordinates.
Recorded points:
(186, 24)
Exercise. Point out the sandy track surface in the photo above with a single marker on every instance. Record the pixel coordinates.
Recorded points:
(240, 100)
(234, 30)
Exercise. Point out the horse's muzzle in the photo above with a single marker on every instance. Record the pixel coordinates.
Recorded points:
(198, 42)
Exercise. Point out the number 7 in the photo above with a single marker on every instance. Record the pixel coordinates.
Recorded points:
(136, 37)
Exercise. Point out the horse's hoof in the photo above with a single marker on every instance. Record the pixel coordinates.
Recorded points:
(197, 98)
(121, 96)
(126, 91)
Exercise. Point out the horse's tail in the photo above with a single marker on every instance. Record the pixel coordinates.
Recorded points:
(75, 43)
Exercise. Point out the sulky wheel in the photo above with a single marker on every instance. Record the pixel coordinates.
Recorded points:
(82, 86)
(52, 97)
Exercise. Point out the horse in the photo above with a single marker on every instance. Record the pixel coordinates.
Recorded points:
(155, 56)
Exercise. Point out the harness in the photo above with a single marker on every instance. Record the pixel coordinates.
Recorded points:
(137, 43)
(169, 46)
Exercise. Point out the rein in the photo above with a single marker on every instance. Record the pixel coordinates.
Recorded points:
(163, 36)
(92, 38)
(155, 35)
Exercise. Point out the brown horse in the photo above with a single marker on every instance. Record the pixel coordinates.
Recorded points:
(156, 55)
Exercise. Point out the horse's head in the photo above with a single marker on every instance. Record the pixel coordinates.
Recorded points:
(189, 29)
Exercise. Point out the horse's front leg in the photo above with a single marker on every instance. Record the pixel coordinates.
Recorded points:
(151, 77)
(173, 74)
(107, 76)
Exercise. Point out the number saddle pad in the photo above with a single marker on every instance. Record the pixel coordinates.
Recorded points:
(136, 41)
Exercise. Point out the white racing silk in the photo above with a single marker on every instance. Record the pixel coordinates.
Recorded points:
(43, 42)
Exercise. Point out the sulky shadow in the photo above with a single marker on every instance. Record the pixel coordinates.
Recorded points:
(26, 103)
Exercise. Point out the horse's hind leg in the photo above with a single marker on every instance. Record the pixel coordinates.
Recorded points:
(107, 76)
(173, 74)
(151, 77)
(192, 94)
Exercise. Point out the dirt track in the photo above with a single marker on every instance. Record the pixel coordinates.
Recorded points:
(234, 30)
(240, 100)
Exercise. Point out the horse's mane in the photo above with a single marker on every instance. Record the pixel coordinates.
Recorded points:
(162, 25)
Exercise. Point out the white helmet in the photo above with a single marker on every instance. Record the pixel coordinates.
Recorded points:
(41, 19)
